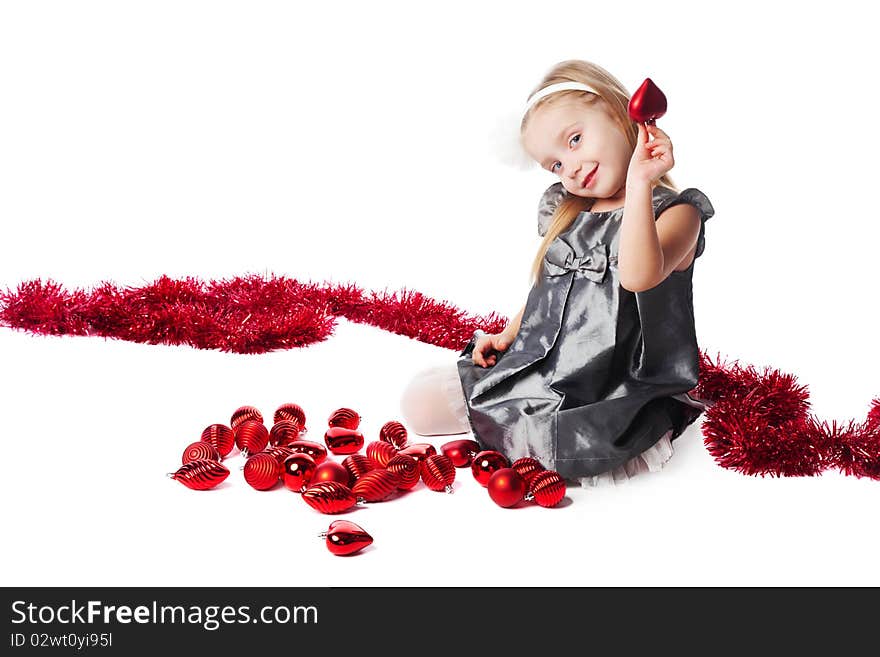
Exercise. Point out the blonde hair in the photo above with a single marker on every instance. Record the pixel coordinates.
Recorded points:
(614, 100)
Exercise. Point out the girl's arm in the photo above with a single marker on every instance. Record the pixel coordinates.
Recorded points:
(513, 326)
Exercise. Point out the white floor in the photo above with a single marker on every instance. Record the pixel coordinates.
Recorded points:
(91, 426)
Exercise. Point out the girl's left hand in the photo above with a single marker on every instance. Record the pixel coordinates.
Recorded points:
(650, 159)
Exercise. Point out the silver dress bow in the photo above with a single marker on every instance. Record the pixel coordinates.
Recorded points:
(561, 259)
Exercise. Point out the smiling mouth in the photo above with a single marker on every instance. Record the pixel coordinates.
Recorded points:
(589, 177)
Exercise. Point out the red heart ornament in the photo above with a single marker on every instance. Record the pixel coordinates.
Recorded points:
(419, 451)
(647, 104)
(343, 441)
(317, 451)
(461, 452)
(343, 537)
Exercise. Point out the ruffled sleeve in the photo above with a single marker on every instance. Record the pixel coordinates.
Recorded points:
(550, 200)
(698, 199)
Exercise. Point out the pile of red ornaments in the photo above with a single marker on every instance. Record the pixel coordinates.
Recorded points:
(389, 467)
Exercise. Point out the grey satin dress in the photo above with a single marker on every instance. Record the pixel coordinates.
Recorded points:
(597, 373)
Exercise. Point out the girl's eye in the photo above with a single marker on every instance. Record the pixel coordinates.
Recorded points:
(553, 166)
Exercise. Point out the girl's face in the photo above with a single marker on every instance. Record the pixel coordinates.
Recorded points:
(571, 140)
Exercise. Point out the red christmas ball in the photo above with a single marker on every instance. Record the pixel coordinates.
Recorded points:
(345, 418)
(344, 537)
(329, 497)
(381, 452)
(547, 488)
(527, 467)
(284, 432)
(343, 441)
(200, 475)
(419, 451)
(297, 471)
(393, 433)
(506, 487)
(332, 471)
(200, 451)
(251, 436)
(376, 485)
(243, 413)
(278, 452)
(647, 104)
(262, 471)
(221, 437)
(407, 468)
(486, 463)
(358, 465)
(461, 452)
(293, 412)
(438, 472)
(316, 450)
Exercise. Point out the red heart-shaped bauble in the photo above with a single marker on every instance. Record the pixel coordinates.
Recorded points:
(461, 452)
(343, 441)
(647, 104)
(344, 537)
(419, 451)
(317, 451)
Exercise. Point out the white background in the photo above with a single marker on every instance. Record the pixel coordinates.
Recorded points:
(347, 142)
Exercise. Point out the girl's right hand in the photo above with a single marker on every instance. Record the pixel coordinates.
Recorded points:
(485, 344)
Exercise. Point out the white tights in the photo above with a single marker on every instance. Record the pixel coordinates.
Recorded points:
(433, 404)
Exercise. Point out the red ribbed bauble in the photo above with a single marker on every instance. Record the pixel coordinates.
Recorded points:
(251, 436)
(243, 413)
(200, 451)
(393, 433)
(344, 417)
(332, 471)
(284, 432)
(438, 473)
(291, 411)
(297, 471)
(381, 452)
(329, 497)
(262, 471)
(278, 452)
(344, 537)
(461, 452)
(419, 451)
(547, 488)
(527, 467)
(376, 485)
(221, 437)
(316, 450)
(506, 487)
(486, 463)
(343, 441)
(358, 465)
(647, 104)
(200, 475)
(407, 468)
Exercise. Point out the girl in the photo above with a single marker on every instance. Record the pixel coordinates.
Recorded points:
(592, 376)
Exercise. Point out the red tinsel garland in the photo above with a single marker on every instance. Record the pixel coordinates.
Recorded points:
(759, 422)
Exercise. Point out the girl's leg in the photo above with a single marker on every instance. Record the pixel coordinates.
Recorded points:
(433, 403)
